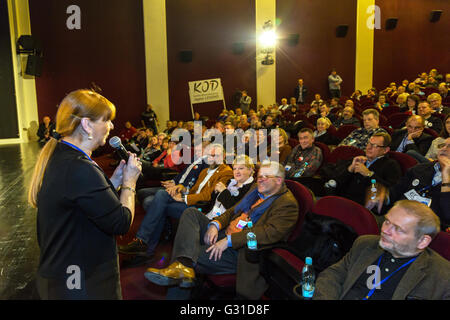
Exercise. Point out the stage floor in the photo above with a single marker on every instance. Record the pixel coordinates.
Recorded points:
(19, 251)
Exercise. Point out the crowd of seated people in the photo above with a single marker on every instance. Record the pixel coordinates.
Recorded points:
(300, 133)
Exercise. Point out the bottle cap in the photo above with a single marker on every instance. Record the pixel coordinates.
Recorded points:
(332, 183)
(373, 181)
(308, 260)
(249, 224)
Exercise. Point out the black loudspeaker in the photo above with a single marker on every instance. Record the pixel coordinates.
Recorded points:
(391, 23)
(435, 15)
(34, 65)
(341, 31)
(186, 56)
(238, 48)
(293, 39)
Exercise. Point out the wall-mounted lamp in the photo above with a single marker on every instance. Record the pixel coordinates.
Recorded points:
(267, 41)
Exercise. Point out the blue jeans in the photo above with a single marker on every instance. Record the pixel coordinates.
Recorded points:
(420, 158)
(157, 211)
(147, 195)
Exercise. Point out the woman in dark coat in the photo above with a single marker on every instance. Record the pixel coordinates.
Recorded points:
(79, 210)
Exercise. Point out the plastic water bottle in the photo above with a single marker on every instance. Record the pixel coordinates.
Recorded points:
(301, 171)
(373, 190)
(252, 244)
(308, 279)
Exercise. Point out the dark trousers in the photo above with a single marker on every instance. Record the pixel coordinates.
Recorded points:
(189, 244)
(335, 93)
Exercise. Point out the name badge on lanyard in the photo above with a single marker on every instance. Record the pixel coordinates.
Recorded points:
(413, 195)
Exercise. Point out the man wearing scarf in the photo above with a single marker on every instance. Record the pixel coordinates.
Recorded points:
(218, 246)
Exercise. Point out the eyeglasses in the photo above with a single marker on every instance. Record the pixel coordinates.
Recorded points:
(265, 177)
(443, 145)
(372, 145)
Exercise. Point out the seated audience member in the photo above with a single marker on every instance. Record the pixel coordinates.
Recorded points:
(355, 176)
(447, 80)
(434, 73)
(334, 104)
(426, 182)
(435, 101)
(422, 79)
(357, 95)
(405, 83)
(314, 110)
(216, 247)
(243, 123)
(184, 180)
(322, 134)
(128, 132)
(164, 204)
(417, 91)
(140, 142)
(152, 151)
(317, 100)
(347, 117)
(269, 124)
(400, 100)
(381, 103)
(168, 127)
(46, 129)
(324, 111)
(293, 103)
(291, 114)
(283, 148)
(407, 268)
(224, 114)
(371, 95)
(410, 88)
(284, 105)
(431, 121)
(412, 140)
(443, 91)
(228, 196)
(445, 133)
(306, 158)
(412, 101)
(359, 137)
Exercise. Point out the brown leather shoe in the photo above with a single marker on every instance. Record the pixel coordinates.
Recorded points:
(175, 274)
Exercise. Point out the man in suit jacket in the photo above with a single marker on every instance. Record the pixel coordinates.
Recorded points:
(424, 109)
(165, 204)
(412, 139)
(396, 265)
(355, 177)
(300, 92)
(219, 246)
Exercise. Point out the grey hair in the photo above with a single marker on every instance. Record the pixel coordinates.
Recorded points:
(278, 169)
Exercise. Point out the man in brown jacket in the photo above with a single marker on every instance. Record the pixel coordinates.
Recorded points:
(218, 247)
(396, 265)
(164, 204)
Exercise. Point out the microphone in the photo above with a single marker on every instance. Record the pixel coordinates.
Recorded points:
(116, 143)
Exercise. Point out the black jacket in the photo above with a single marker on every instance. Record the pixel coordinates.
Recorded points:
(354, 186)
(424, 173)
(79, 214)
(304, 93)
(421, 144)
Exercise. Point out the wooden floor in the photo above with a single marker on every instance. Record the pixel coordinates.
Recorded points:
(19, 252)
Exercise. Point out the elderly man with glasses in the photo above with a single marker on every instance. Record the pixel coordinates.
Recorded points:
(354, 177)
(218, 246)
(428, 183)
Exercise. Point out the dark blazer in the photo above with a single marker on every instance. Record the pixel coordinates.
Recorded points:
(421, 144)
(42, 129)
(424, 173)
(304, 93)
(327, 138)
(434, 123)
(428, 277)
(354, 186)
(273, 226)
(79, 214)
